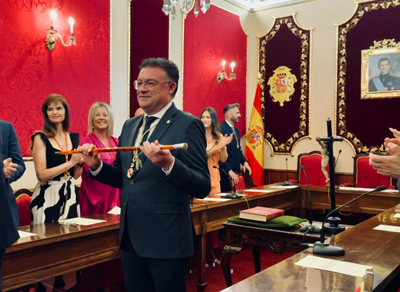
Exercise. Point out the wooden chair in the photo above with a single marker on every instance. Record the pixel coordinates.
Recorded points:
(248, 181)
(312, 166)
(365, 176)
(24, 198)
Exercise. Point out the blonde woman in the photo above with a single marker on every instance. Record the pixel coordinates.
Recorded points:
(95, 197)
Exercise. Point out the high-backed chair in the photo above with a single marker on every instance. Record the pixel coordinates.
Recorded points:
(312, 166)
(24, 198)
(248, 181)
(365, 176)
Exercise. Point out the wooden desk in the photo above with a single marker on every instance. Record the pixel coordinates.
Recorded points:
(362, 245)
(374, 203)
(277, 241)
(32, 259)
(210, 215)
(58, 249)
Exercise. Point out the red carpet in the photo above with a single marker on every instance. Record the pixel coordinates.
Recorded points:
(241, 264)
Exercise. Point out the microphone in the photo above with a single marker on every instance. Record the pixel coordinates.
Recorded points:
(287, 182)
(325, 248)
(233, 195)
(337, 158)
(309, 227)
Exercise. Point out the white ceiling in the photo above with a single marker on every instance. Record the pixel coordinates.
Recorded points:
(253, 5)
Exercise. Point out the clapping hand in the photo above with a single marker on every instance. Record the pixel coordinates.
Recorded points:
(225, 140)
(387, 165)
(395, 132)
(9, 167)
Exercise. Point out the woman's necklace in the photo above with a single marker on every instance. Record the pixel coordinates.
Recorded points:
(66, 172)
(210, 145)
(209, 139)
(106, 144)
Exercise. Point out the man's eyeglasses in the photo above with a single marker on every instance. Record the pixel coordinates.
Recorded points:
(150, 84)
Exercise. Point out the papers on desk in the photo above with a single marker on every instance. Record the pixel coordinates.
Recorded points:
(335, 266)
(390, 228)
(80, 221)
(285, 187)
(257, 191)
(365, 189)
(115, 211)
(224, 194)
(25, 234)
(215, 199)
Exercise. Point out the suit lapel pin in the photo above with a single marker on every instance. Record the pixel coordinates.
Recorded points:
(168, 121)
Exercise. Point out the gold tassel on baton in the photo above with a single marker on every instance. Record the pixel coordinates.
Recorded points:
(182, 146)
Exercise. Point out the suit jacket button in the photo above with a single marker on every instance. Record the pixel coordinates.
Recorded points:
(131, 182)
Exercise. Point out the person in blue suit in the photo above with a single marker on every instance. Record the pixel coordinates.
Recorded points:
(8, 229)
(236, 159)
(157, 236)
(14, 166)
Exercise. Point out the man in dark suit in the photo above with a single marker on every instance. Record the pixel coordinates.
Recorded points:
(8, 230)
(232, 165)
(156, 229)
(14, 166)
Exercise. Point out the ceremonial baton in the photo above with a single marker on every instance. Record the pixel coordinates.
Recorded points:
(183, 146)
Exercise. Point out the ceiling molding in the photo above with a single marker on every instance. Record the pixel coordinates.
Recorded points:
(255, 5)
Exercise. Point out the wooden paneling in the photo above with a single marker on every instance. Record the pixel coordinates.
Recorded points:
(272, 176)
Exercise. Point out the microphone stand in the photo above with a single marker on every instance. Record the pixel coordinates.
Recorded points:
(287, 182)
(309, 227)
(233, 195)
(334, 221)
(320, 247)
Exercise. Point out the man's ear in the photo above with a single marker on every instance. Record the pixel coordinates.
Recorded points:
(172, 87)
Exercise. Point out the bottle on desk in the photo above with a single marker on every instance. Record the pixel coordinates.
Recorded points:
(369, 280)
(368, 283)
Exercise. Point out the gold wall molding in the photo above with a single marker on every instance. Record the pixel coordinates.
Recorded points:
(304, 123)
(340, 104)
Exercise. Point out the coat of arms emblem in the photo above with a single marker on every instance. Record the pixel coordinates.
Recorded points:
(281, 85)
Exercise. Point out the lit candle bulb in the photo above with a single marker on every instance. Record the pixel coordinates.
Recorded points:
(223, 65)
(233, 66)
(71, 24)
(53, 15)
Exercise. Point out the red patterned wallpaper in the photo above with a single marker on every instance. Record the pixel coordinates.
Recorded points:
(30, 72)
(209, 39)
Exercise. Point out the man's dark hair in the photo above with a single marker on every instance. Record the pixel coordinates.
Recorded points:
(228, 107)
(167, 65)
(383, 59)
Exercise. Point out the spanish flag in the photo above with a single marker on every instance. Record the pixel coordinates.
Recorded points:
(255, 141)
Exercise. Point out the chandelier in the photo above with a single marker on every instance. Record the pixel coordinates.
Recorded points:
(169, 7)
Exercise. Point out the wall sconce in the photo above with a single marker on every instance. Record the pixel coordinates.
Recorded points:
(52, 33)
(223, 75)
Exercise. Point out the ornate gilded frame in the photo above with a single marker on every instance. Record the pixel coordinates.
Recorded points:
(277, 147)
(381, 49)
(340, 105)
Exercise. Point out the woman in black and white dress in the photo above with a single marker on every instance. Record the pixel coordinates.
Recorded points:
(54, 197)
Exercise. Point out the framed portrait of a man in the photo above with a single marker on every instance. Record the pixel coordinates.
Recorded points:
(380, 70)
